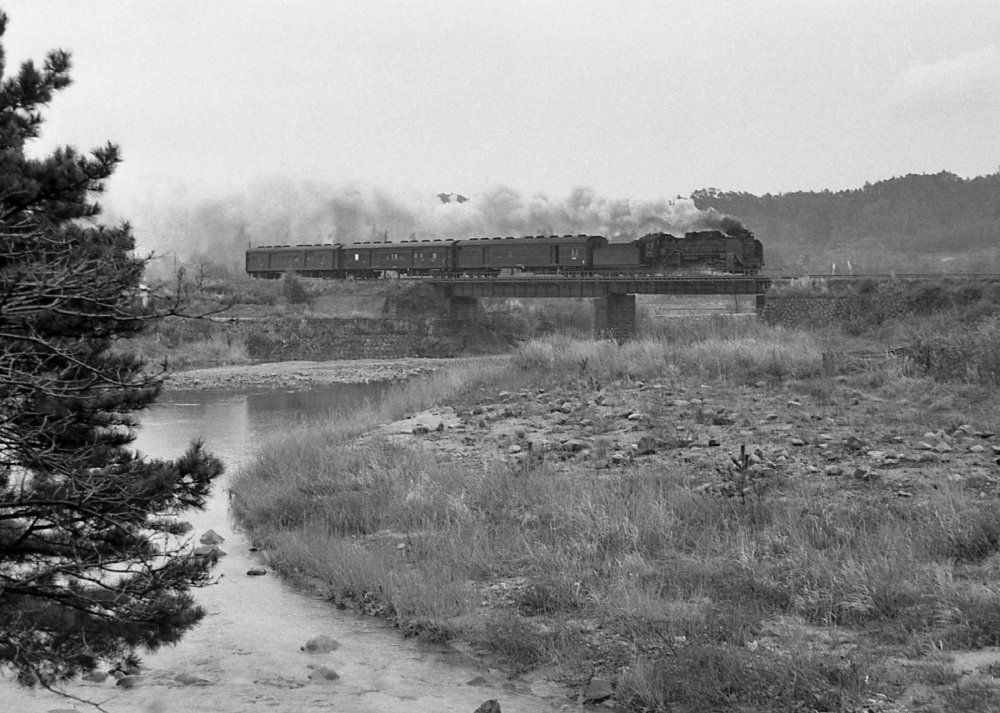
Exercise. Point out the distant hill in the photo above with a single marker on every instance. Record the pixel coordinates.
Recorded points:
(913, 223)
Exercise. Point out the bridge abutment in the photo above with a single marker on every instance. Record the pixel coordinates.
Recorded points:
(614, 317)
(463, 309)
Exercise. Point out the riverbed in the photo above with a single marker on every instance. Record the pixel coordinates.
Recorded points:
(247, 653)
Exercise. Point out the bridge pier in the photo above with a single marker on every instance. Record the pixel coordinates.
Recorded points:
(463, 309)
(614, 317)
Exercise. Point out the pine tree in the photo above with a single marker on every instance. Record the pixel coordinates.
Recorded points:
(93, 564)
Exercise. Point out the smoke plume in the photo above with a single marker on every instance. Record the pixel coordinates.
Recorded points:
(283, 212)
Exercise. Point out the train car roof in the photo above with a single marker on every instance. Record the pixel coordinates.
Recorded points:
(300, 246)
(538, 239)
(368, 245)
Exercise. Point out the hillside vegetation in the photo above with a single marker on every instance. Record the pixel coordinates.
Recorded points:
(914, 223)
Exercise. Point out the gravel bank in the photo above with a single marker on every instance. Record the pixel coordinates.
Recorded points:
(290, 374)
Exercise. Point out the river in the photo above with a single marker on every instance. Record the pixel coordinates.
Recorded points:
(248, 646)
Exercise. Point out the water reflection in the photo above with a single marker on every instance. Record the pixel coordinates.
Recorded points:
(234, 423)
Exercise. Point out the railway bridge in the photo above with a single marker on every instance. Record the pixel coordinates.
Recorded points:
(614, 297)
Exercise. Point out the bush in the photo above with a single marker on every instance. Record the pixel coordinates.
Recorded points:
(294, 292)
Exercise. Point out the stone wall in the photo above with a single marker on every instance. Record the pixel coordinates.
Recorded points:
(791, 310)
(318, 339)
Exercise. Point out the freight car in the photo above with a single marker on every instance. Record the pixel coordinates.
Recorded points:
(656, 253)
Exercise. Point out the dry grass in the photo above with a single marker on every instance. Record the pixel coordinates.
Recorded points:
(794, 599)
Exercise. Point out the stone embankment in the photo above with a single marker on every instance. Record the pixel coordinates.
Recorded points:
(792, 310)
(323, 338)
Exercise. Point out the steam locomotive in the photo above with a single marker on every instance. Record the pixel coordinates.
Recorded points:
(735, 251)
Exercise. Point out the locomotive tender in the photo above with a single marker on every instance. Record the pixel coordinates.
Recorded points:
(653, 254)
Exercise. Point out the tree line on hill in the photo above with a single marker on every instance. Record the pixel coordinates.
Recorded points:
(917, 222)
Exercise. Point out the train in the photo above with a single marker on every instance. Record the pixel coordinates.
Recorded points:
(735, 251)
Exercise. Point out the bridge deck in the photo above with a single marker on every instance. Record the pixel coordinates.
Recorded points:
(592, 286)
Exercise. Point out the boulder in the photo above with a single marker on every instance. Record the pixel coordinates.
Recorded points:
(598, 689)
(854, 443)
(490, 706)
(256, 572)
(210, 552)
(646, 446)
(211, 538)
(321, 644)
(130, 681)
(323, 673)
(189, 679)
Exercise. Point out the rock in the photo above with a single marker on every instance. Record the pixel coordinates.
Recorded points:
(478, 681)
(598, 689)
(636, 416)
(977, 449)
(797, 442)
(211, 538)
(833, 470)
(514, 449)
(210, 552)
(943, 447)
(573, 445)
(96, 677)
(854, 443)
(490, 706)
(646, 446)
(189, 679)
(323, 673)
(321, 644)
(130, 681)
(256, 572)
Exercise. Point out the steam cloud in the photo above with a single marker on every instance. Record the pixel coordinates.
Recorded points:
(285, 212)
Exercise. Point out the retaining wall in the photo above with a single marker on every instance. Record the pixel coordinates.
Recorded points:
(318, 339)
(806, 309)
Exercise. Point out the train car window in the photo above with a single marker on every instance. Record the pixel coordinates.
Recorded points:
(357, 256)
(574, 253)
(434, 256)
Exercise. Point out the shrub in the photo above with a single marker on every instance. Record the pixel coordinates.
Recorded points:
(293, 290)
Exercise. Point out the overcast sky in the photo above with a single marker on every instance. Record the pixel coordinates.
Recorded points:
(636, 100)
